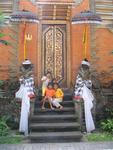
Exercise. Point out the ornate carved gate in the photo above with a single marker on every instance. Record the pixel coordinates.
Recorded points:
(54, 51)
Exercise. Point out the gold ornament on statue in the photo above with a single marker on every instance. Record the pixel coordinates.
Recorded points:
(28, 37)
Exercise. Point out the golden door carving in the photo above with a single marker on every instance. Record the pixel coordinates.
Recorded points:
(54, 51)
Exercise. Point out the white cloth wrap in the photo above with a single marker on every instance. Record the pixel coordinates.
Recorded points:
(88, 105)
(19, 93)
(25, 109)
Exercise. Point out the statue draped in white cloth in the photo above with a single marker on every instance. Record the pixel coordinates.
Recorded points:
(83, 91)
(25, 93)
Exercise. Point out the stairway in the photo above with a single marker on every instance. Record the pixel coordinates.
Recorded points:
(55, 126)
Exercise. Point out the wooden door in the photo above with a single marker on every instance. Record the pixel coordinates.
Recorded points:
(54, 51)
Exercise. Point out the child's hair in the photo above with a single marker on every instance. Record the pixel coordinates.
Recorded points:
(57, 85)
(49, 85)
(53, 79)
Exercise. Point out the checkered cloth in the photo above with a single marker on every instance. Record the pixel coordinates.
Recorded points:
(79, 86)
(29, 84)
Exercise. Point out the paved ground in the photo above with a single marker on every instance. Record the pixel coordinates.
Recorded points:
(63, 146)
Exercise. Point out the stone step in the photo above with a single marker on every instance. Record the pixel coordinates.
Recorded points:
(51, 126)
(54, 127)
(65, 110)
(47, 108)
(65, 129)
(53, 137)
(53, 118)
(108, 94)
(67, 97)
(64, 103)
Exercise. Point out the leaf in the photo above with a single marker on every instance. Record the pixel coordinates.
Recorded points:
(2, 35)
(111, 52)
(4, 42)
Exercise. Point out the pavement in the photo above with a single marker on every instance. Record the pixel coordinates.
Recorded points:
(60, 146)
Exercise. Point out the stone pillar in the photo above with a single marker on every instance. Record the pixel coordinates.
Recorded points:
(79, 106)
(32, 103)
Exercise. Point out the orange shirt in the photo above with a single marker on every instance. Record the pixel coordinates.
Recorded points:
(50, 92)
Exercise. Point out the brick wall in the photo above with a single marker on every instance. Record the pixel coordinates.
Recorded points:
(103, 45)
(103, 60)
(31, 46)
(76, 41)
(4, 57)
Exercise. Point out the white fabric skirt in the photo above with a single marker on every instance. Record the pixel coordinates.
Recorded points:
(56, 102)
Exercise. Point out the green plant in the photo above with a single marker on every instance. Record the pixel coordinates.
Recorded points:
(2, 84)
(8, 105)
(109, 112)
(11, 140)
(107, 125)
(12, 85)
(99, 136)
(2, 22)
(4, 129)
(106, 112)
(2, 19)
(11, 109)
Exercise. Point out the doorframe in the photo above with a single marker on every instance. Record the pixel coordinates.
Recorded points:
(39, 61)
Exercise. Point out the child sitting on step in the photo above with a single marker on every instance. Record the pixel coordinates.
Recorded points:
(58, 96)
(49, 95)
(45, 81)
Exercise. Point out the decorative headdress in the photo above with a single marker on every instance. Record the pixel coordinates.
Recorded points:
(85, 62)
(26, 62)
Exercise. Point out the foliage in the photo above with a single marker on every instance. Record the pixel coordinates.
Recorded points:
(107, 125)
(13, 84)
(99, 137)
(4, 129)
(2, 35)
(2, 22)
(5, 136)
(8, 105)
(10, 140)
(2, 19)
(2, 82)
(106, 112)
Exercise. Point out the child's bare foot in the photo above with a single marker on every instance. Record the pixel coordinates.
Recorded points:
(52, 108)
(43, 108)
(61, 107)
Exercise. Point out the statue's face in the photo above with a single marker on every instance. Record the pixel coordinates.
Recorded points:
(27, 66)
(85, 67)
